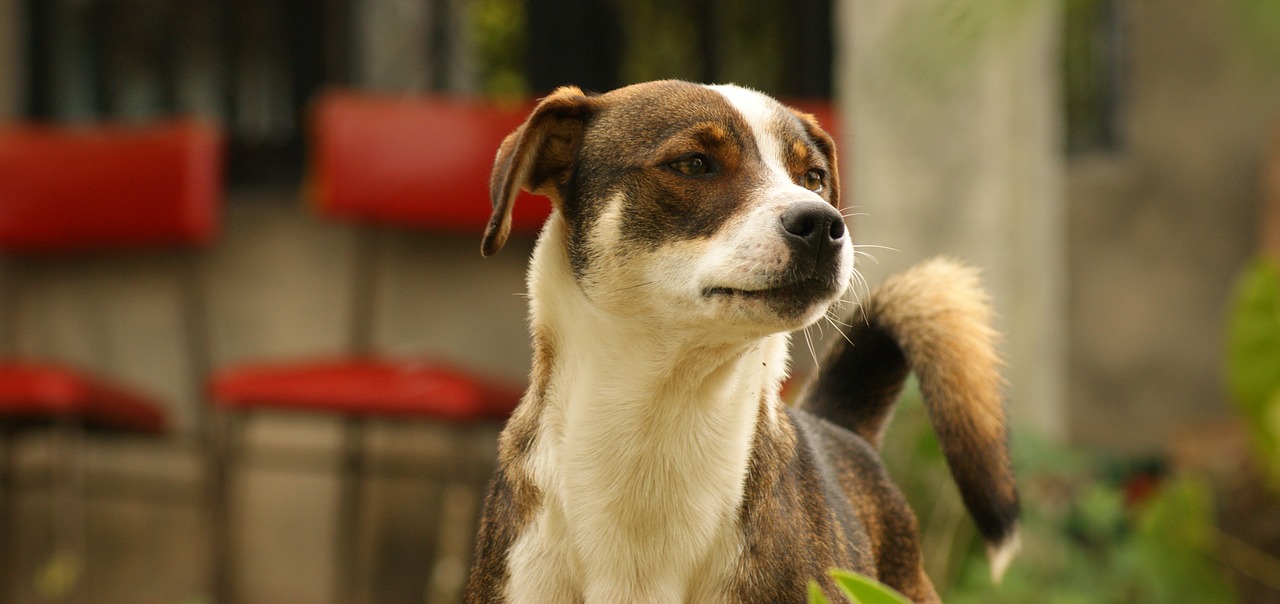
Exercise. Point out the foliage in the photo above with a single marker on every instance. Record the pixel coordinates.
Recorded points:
(1096, 548)
(1257, 24)
(746, 42)
(1253, 358)
(1091, 528)
(858, 589)
(661, 41)
(499, 30)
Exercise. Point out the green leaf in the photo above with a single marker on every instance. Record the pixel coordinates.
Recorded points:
(1253, 353)
(1271, 425)
(1174, 546)
(1099, 513)
(1254, 336)
(865, 590)
(815, 594)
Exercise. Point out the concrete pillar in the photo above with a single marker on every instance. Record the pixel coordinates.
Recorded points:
(954, 147)
(394, 46)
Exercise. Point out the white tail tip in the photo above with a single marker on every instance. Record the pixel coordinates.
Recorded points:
(1001, 555)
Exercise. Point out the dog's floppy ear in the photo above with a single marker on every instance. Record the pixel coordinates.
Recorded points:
(827, 146)
(538, 157)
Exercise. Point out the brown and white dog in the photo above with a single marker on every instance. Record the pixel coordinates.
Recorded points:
(652, 459)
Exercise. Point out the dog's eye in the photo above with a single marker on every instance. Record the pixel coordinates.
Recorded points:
(814, 180)
(692, 165)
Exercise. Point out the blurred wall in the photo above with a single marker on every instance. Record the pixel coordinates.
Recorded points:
(1158, 228)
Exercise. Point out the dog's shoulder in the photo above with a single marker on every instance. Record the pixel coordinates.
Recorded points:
(846, 463)
(795, 523)
(862, 495)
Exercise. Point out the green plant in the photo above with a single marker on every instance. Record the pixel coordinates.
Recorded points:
(1257, 31)
(1253, 359)
(499, 29)
(1093, 528)
(858, 589)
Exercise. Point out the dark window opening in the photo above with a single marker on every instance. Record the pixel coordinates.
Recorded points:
(254, 65)
(1093, 62)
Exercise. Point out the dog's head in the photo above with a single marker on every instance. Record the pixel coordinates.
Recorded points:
(684, 203)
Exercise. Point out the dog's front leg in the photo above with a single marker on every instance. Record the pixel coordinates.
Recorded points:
(540, 570)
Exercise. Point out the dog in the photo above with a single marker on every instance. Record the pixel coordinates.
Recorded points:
(652, 458)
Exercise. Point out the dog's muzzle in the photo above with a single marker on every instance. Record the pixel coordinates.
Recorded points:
(815, 235)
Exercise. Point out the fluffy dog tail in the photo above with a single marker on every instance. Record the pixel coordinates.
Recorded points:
(933, 320)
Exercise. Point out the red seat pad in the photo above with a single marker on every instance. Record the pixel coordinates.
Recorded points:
(30, 391)
(366, 386)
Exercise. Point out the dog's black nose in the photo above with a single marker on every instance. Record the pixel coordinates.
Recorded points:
(813, 227)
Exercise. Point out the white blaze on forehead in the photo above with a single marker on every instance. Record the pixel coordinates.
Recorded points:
(762, 113)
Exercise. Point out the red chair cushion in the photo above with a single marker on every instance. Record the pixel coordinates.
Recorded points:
(32, 391)
(108, 187)
(365, 386)
(413, 162)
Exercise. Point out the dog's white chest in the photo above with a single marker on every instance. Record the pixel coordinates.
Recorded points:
(641, 496)
(544, 568)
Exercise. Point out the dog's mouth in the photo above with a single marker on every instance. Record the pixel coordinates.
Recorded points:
(804, 290)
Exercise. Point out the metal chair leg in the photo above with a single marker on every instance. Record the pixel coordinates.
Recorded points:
(436, 538)
(457, 513)
(223, 444)
(481, 474)
(7, 501)
(347, 535)
(63, 578)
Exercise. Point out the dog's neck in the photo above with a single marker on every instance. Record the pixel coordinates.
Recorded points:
(645, 435)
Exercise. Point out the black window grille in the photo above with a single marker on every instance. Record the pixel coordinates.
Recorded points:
(254, 65)
(1093, 71)
(250, 64)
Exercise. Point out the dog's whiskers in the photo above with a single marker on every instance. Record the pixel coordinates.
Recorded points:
(808, 339)
(860, 282)
(875, 246)
(630, 287)
(834, 324)
(866, 255)
(834, 319)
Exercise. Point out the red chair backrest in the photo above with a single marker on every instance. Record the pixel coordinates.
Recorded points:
(416, 162)
(71, 189)
(425, 161)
